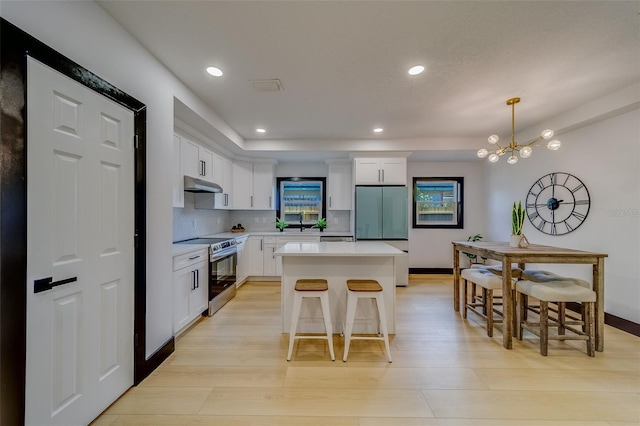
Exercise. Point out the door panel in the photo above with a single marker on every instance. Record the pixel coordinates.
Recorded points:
(394, 212)
(80, 224)
(369, 212)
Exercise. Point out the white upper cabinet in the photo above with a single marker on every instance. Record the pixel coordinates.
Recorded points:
(381, 171)
(263, 175)
(197, 161)
(223, 176)
(339, 186)
(252, 186)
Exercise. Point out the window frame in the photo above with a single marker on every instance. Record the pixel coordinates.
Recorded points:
(459, 224)
(322, 210)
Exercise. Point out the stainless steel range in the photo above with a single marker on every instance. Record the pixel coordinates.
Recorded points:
(223, 259)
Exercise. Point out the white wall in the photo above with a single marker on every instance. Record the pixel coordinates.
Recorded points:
(603, 150)
(86, 34)
(431, 248)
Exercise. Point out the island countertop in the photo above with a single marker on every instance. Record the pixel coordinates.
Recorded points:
(339, 248)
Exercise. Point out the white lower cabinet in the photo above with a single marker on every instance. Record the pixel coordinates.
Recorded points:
(242, 266)
(190, 288)
(254, 251)
(268, 257)
(259, 253)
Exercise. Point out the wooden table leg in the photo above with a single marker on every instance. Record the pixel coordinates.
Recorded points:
(456, 280)
(598, 287)
(507, 304)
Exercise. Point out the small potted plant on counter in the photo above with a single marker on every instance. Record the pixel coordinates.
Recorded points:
(281, 224)
(321, 224)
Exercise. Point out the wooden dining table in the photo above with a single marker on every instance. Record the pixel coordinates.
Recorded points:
(534, 253)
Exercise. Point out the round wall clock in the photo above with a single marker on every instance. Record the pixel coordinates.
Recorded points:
(557, 203)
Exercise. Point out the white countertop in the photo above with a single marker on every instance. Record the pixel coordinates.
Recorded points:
(178, 249)
(359, 248)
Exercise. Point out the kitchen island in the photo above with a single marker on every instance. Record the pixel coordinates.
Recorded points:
(337, 262)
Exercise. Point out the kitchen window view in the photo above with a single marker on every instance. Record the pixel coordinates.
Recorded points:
(301, 201)
(437, 202)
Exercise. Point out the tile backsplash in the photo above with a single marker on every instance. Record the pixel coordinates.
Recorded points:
(189, 222)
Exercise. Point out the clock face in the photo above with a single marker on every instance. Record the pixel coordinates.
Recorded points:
(557, 203)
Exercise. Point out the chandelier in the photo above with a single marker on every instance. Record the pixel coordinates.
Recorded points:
(525, 150)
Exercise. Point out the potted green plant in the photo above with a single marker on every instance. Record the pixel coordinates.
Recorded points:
(281, 224)
(517, 223)
(321, 224)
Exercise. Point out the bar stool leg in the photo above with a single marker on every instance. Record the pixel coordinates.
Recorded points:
(297, 301)
(383, 322)
(352, 301)
(324, 301)
(544, 327)
(589, 320)
(561, 318)
(488, 302)
(464, 298)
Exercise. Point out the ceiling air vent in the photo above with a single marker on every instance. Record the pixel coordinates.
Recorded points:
(272, 85)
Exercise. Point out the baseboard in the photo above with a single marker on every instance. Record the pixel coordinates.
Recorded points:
(612, 320)
(154, 360)
(431, 271)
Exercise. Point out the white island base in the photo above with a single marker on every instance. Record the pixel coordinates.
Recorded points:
(337, 262)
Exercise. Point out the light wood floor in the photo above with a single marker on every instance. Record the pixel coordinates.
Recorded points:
(231, 369)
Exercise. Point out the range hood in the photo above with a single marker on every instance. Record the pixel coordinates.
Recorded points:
(198, 185)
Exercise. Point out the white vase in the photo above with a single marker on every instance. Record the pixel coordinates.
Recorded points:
(515, 240)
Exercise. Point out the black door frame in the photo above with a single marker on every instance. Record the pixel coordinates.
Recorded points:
(16, 46)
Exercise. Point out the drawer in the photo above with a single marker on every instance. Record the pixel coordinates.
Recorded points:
(299, 239)
(191, 258)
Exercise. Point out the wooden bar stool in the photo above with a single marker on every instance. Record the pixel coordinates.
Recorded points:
(482, 306)
(365, 289)
(559, 292)
(305, 289)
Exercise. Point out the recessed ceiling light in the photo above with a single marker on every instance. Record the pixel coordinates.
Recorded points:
(214, 71)
(378, 130)
(261, 130)
(416, 70)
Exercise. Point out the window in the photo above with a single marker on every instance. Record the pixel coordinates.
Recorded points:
(301, 200)
(437, 202)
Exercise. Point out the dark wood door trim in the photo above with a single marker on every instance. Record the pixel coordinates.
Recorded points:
(15, 46)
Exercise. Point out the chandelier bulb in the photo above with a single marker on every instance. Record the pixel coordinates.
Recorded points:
(554, 145)
(493, 139)
(526, 152)
(512, 159)
(494, 158)
(547, 134)
(482, 153)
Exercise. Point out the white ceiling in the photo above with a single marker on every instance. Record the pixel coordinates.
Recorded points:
(343, 65)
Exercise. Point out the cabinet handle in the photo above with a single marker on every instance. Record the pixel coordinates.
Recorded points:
(251, 200)
(383, 175)
(329, 200)
(261, 245)
(197, 278)
(226, 199)
(379, 176)
(193, 280)
(194, 257)
(269, 200)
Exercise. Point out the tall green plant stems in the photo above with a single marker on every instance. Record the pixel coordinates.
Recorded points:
(517, 218)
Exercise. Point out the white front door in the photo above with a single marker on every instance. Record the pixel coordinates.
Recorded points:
(80, 235)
